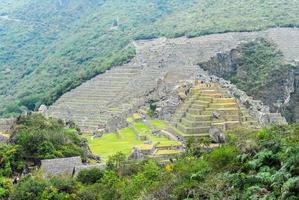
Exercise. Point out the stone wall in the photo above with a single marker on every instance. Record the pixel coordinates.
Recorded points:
(292, 108)
(255, 108)
(6, 124)
(107, 99)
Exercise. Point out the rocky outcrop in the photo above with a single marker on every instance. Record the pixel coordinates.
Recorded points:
(168, 97)
(279, 94)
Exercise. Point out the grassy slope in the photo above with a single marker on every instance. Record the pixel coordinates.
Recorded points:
(56, 47)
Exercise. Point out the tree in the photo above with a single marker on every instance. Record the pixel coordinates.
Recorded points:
(116, 161)
(41, 138)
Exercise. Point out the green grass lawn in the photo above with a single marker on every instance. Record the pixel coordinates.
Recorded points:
(158, 123)
(112, 143)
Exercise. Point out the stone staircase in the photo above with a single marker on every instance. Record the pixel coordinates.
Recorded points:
(208, 106)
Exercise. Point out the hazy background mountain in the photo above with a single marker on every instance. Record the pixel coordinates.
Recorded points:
(48, 47)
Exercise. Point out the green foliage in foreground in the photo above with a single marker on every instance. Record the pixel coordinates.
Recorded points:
(35, 138)
(40, 138)
(49, 47)
(251, 165)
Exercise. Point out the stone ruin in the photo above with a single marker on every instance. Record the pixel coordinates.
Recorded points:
(109, 98)
(208, 111)
(70, 166)
(255, 108)
(6, 124)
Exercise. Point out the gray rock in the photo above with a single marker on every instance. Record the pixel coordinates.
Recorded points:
(42, 109)
(217, 135)
(216, 115)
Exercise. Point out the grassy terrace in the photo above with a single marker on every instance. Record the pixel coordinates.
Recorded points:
(158, 123)
(112, 143)
(188, 134)
(167, 152)
(144, 129)
(126, 139)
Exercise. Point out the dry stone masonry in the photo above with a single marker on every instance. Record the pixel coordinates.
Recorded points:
(208, 109)
(6, 124)
(256, 108)
(104, 103)
(70, 166)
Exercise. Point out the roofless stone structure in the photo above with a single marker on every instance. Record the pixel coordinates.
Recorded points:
(65, 166)
(60, 165)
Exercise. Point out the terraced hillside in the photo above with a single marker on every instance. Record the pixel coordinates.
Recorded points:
(48, 47)
(108, 99)
(208, 107)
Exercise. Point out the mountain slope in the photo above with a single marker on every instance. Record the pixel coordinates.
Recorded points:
(48, 47)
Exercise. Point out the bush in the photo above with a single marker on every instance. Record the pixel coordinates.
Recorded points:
(29, 189)
(5, 187)
(11, 159)
(41, 138)
(222, 157)
(34, 188)
(90, 176)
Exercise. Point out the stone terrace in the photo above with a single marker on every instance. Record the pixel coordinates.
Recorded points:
(207, 107)
(105, 97)
(108, 99)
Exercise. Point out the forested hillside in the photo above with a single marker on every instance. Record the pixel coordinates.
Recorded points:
(48, 47)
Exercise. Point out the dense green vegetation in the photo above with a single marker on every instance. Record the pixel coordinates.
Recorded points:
(261, 68)
(48, 47)
(35, 138)
(251, 165)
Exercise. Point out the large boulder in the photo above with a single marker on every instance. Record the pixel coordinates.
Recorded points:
(217, 135)
(42, 109)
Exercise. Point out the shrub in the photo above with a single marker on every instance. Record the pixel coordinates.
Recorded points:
(222, 157)
(90, 176)
(5, 187)
(41, 138)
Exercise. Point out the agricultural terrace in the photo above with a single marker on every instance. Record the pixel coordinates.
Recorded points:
(125, 139)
